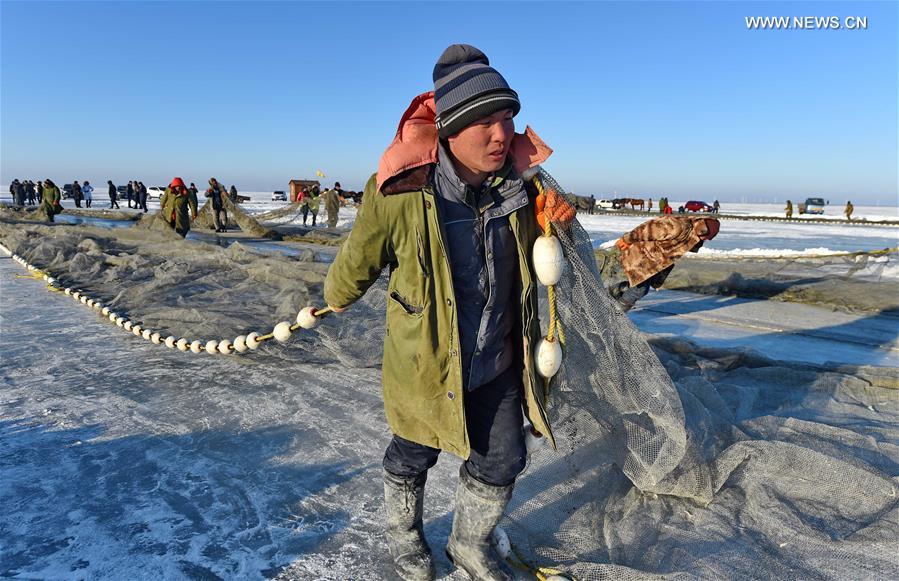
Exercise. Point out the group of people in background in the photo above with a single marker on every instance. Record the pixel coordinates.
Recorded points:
(309, 199)
(180, 205)
(26, 193)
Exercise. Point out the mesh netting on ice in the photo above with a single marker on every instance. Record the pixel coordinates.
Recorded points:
(672, 460)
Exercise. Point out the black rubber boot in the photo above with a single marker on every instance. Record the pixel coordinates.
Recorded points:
(405, 538)
(479, 508)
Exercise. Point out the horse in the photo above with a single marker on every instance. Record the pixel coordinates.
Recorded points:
(634, 202)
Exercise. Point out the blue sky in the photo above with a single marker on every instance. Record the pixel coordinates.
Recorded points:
(677, 98)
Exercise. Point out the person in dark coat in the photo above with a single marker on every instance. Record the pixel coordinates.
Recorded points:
(232, 193)
(142, 196)
(29, 192)
(77, 194)
(192, 192)
(17, 192)
(216, 193)
(40, 192)
(129, 193)
(113, 195)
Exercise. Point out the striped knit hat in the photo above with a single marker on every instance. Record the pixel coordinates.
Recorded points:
(467, 88)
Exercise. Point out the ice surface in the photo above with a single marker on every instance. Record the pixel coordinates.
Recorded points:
(123, 459)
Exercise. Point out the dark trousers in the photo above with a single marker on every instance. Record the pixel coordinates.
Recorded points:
(113, 203)
(494, 420)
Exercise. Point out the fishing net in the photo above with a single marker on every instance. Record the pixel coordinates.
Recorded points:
(672, 460)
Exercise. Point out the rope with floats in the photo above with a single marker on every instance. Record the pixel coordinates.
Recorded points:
(308, 318)
(548, 262)
(548, 265)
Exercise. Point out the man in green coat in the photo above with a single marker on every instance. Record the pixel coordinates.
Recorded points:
(332, 204)
(50, 203)
(452, 217)
(175, 203)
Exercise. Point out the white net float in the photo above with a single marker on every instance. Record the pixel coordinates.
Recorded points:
(306, 318)
(105, 311)
(137, 329)
(500, 542)
(83, 300)
(146, 333)
(212, 346)
(224, 346)
(196, 347)
(68, 291)
(252, 343)
(548, 260)
(112, 316)
(76, 295)
(240, 343)
(127, 325)
(282, 332)
(532, 441)
(170, 342)
(156, 338)
(121, 322)
(181, 344)
(548, 357)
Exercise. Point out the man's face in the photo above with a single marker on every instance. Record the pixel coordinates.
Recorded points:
(482, 147)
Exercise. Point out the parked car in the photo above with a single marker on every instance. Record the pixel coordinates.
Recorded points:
(812, 206)
(279, 196)
(697, 206)
(122, 191)
(66, 191)
(605, 204)
(155, 192)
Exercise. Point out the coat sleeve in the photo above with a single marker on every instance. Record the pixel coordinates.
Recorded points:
(364, 254)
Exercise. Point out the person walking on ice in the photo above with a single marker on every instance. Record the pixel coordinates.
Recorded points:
(451, 214)
(848, 211)
(789, 209)
(175, 203)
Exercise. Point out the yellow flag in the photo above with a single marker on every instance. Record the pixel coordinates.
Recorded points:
(319, 173)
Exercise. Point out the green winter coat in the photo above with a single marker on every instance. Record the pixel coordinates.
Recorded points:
(422, 367)
(175, 209)
(51, 201)
(314, 201)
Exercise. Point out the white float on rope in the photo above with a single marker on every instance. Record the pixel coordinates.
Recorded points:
(146, 333)
(170, 342)
(83, 300)
(531, 441)
(240, 343)
(105, 311)
(68, 291)
(127, 325)
(156, 338)
(212, 346)
(306, 318)
(181, 344)
(252, 342)
(548, 357)
(137, 329)
(121, 322)
(112, 316)
(282, 331)
(196, 346)
(224, 346)
(501, 542)
(548, 260)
